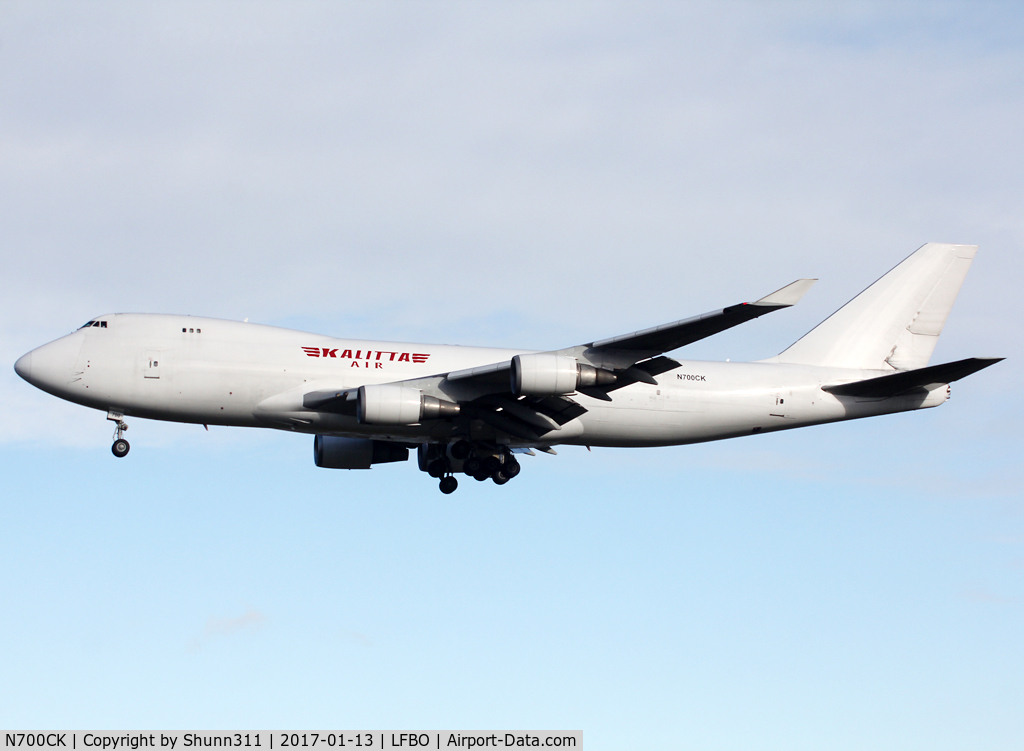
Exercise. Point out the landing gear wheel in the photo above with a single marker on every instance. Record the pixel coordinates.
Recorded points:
(437, 468)
(461, 449)
(491, 464)
(500, 478)
(120, 447)
(511, 468)
(471, 466)
(480, 476)
(448, 485)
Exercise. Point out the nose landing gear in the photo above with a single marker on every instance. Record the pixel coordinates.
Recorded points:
(121, 446)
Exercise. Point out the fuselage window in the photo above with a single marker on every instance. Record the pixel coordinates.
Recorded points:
(183, 331)
(190, 331)
(199, 331)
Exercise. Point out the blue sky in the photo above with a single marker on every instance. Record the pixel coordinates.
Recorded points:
(531, 175)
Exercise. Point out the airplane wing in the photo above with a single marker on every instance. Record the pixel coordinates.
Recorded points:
(670, 336)
(635, 357)
(486, 393)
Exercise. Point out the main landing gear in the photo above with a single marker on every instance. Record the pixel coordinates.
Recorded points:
(441, 469)
(478, 460)
(121, 446)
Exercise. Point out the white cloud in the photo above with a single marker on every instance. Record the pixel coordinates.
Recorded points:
(251, 619)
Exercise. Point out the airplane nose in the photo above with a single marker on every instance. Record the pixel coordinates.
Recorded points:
(24, 367)
(50, 367)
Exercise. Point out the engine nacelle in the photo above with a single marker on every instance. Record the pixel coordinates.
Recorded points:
(336, 452)
(391, 404)
(552, 375)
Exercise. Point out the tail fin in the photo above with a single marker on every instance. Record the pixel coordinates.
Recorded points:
(894, 323)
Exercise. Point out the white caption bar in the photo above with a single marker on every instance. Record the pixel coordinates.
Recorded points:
(287, 740)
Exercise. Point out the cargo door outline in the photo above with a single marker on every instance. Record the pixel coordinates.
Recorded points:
(780, 408)
(151, 366)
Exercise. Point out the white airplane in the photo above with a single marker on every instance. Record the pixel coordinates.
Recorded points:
(472, 410)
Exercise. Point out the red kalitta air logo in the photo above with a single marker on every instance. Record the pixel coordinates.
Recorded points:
(364, 358)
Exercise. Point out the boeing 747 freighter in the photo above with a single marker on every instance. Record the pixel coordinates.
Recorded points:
(474, 410)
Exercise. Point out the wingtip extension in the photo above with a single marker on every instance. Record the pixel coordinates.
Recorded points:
(788, 295)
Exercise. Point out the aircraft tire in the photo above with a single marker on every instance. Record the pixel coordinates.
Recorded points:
(480, 476)
(511, 468)
(500, 478)
(120, 448)
(448, 485)
(471, 466)
(436, 469)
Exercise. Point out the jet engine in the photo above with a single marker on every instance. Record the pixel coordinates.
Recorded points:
(550, 375)
(391, 404)
(335, 452)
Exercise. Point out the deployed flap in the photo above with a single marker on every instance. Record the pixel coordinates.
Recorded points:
(670, 336)
(659, 365)
(527, 418)
(895, 322)
(922, 378)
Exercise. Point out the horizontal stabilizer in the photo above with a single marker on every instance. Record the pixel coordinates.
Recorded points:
(911, 380)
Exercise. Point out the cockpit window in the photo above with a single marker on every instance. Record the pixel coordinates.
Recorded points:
(97, 324)
(86, 325)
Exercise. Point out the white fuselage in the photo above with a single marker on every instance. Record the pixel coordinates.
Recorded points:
(215, 372)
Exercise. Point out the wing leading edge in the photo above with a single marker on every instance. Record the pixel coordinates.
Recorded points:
(621, 353)
(670, 336)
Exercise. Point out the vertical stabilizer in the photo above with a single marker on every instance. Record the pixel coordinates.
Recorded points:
(895, 323)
